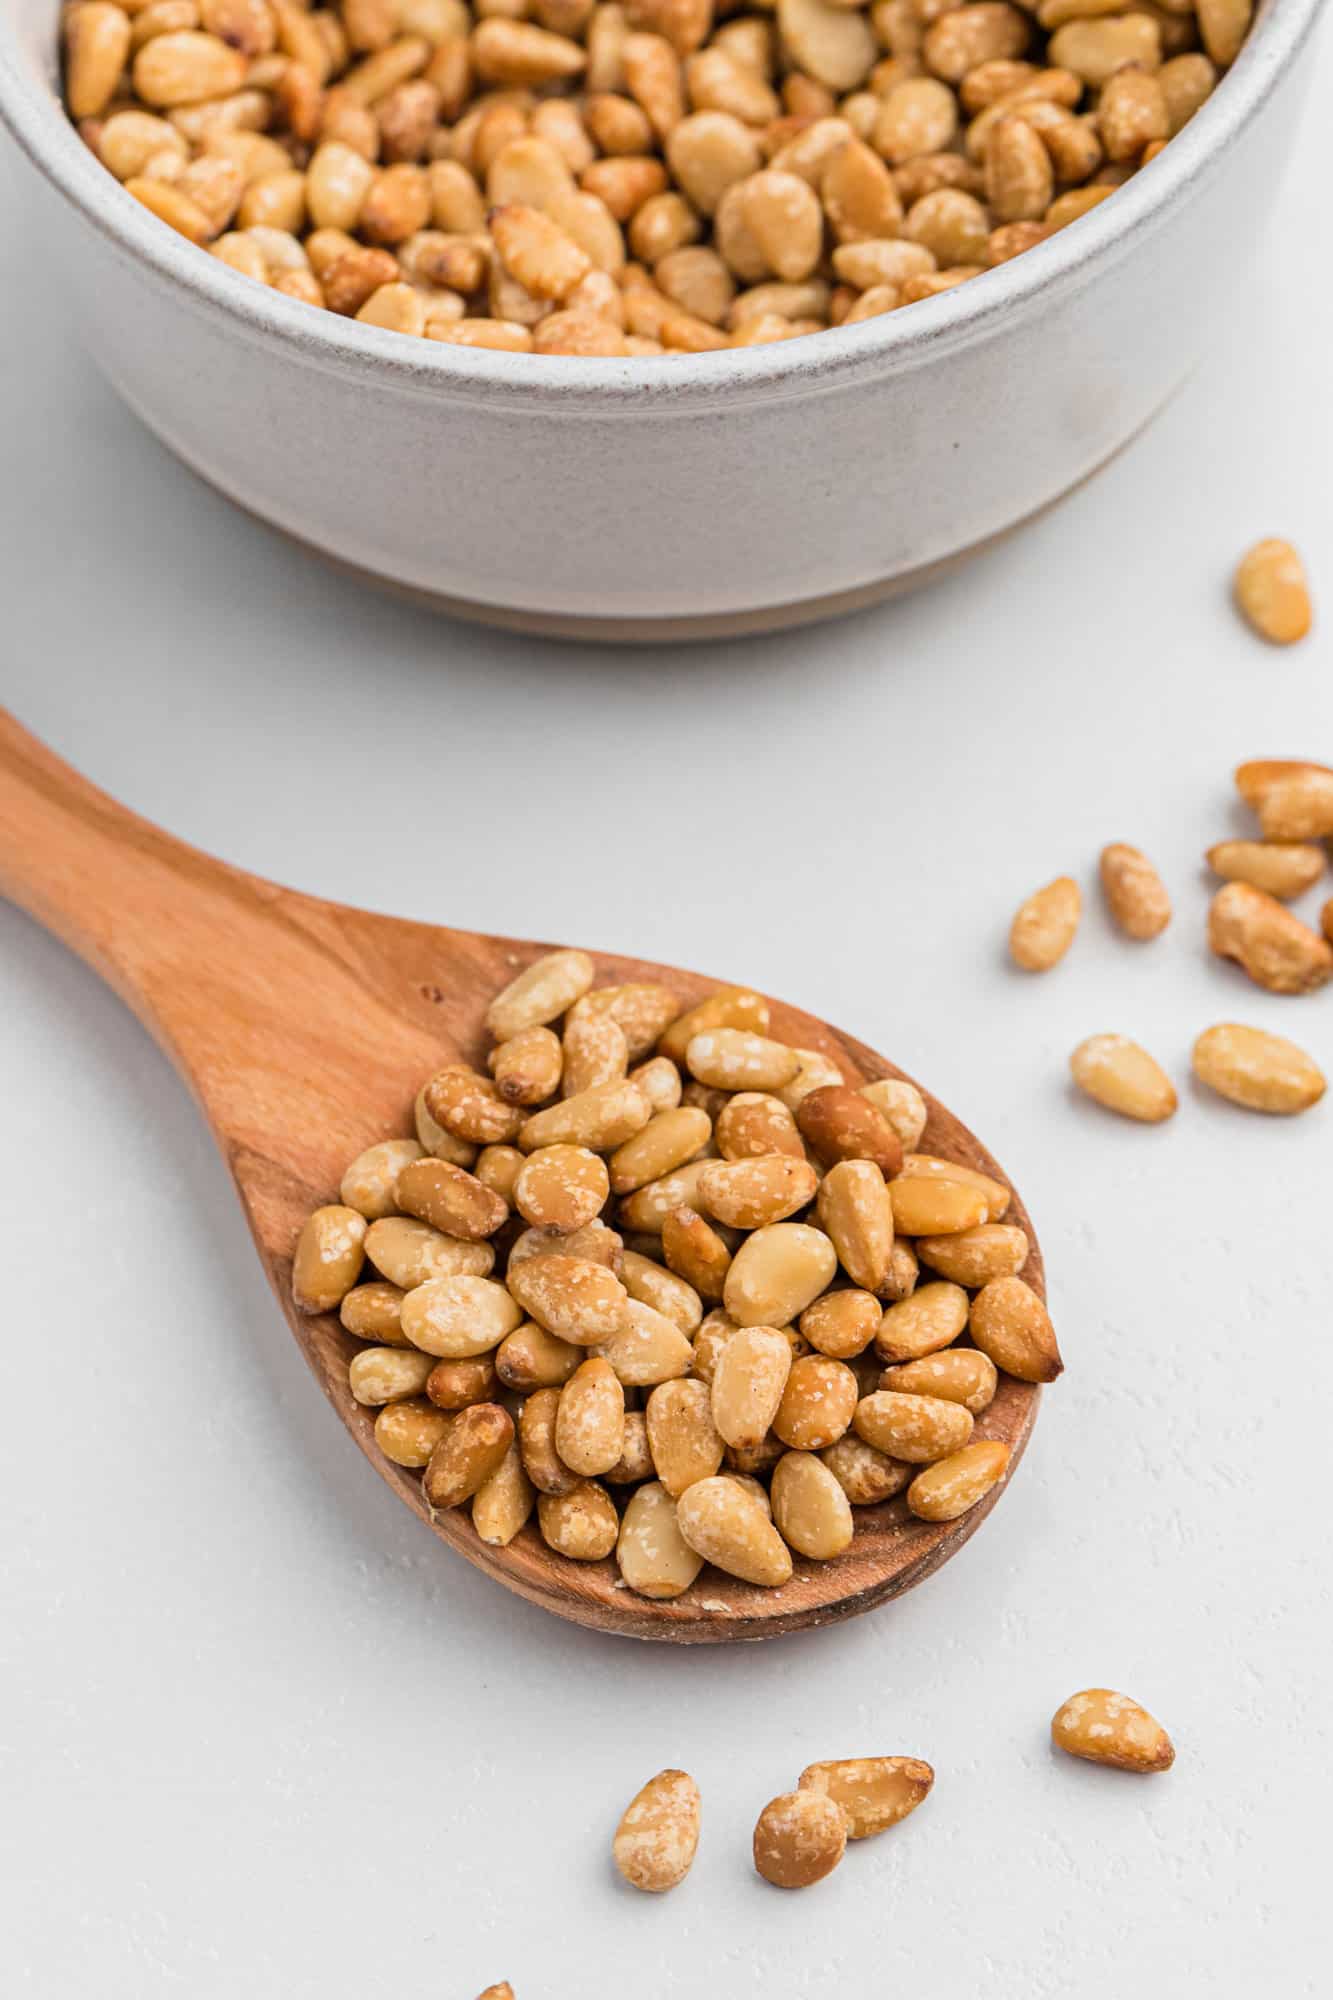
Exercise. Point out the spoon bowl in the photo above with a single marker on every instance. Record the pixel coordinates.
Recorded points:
(304, 1029)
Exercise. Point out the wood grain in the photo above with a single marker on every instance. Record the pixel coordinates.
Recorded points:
(304, 1029)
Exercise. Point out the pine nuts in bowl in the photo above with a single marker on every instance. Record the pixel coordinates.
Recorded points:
(669, 1301)
(421, 237)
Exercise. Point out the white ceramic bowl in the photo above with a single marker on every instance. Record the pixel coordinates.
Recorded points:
(731, 492)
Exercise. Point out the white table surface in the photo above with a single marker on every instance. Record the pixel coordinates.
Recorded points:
(260, 1735)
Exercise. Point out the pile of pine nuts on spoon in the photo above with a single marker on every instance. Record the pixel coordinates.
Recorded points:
(658, 177)
(753, 1350)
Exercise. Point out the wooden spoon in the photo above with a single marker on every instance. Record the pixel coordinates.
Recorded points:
(305, 1029)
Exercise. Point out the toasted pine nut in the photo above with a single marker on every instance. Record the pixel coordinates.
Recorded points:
(410, 1252)
(387, 1374)
(653, 1557)
(957, 1375)
(374, 1312)
(581, 1524)
(1272, 592)
(647, 1348)
(561, 1187)
(1044, 926)
(408, 1432)
(810, 1509)
(516, 53)
(1109, 1728)
(655, 1842)
(503, 1503)
(800, 1837)
(601, 1119)
(649, 1206)
(919, 1429)
(902, 1107)
(753, 1123)
(97, 41)
(531, 1358)
(865, 1475)
(456, 1385)
(777, 1273)
(590, 1420)
(1134, 891)
(577, 1300)
(928, 1166)
(817, 1404)
(527, 1068)
(469, 1106)
(659, 1080)
(842, 1324)
(1117, 1073)
(953, 1486)
(1295, 802)
(817, 1072)
(841, 1124)
(856, 1210)
(1274, 947)
(874, 1793)
(536, 1437)
(1095, 50)
(635, 1464)
(594, 1243)
(730, 1007)
(328, 1258)
(834, 45)
(667, 1141)
(1261, 1071)
(450, 1199)
(186, 68)
(937, 1204)
(718, 1519)
(747, 1194)
(1281, 868)
(932, 1318)
(1224, 25)
(748, 1383)
(368, 1185)
(642, 1010)
(540, 993)
(595, 1052)
(682, 1436)
(732, 1059)
(471, 1450)
(435, 1140)
(695, 1252)
(456, 1317)
(498, 1167)
(1010, 1324)
(973, 1256)
(172, 206)
(651, 1285)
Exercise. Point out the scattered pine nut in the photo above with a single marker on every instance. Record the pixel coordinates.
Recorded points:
(1274, 947)
(1261, 1071)
(874, 1793)
(1044, 926)
(658, 1834)
(1134, 891)
(1272, 592)
(800, 1837)
(1109, 1728)
(1117, 1073)
(1281, 868)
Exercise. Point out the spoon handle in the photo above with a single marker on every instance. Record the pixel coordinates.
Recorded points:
(272, 1004)
(118, 891)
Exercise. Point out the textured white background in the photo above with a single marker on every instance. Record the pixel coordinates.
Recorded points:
(259, 1734)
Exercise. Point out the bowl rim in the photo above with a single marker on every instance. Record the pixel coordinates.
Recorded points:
(813, 364)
